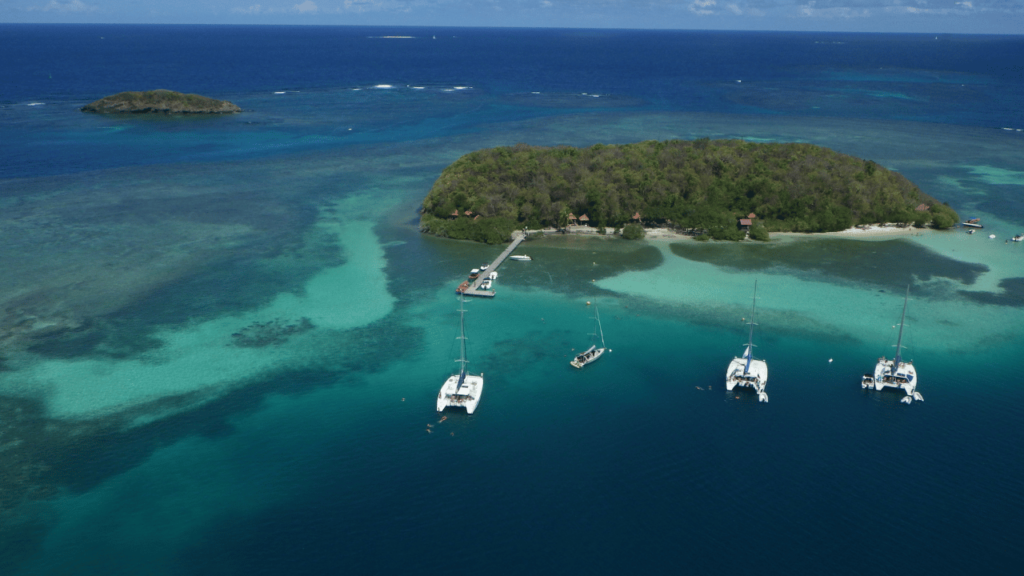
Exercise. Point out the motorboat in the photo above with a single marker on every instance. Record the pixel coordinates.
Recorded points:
(520, 257)
(746, 371)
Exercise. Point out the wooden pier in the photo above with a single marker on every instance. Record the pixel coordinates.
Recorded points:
(474, 287)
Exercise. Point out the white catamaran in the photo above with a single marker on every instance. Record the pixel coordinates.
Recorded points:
(462, 389)
(593, 353)
(745, 370)
(895, 373)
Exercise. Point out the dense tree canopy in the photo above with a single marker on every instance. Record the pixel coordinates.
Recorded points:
(702, 184)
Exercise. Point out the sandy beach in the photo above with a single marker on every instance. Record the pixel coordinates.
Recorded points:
(865, 233)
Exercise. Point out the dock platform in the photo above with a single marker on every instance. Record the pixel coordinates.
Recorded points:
(474, 287)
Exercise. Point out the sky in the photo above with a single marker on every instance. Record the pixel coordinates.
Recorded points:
(922, 16)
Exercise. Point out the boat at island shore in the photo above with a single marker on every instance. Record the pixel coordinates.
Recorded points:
(746, 371)
(895, 373)
(973, 223)
(591, 354)
(462, 389)
(520, 257)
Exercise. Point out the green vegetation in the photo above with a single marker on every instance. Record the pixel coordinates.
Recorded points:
(703, 185)
(633, 231)
(759, 232)
(160, 102)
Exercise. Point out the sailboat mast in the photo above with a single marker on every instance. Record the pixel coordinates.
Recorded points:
(899, 340)
(750, 338)
(599, 330)
(462, 338)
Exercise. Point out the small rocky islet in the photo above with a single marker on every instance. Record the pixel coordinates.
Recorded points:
(160, 102)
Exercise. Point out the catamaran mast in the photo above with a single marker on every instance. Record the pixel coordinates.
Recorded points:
(899, 340)
(462, 338)
(750, 339)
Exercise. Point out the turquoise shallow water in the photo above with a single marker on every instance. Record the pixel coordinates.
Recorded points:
(223, 339)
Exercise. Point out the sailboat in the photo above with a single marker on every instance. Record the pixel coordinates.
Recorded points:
(895, 373)
(747, 371)
(593, 353)
(462, 389)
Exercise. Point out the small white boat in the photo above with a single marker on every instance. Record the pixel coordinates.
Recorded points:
(746, 371)
(493, 275)
(462, 389)
(484, 267)
(520, 257)
(992, 236)
(486, 284)
(895, 373)
(593, 353)
(1018, 237)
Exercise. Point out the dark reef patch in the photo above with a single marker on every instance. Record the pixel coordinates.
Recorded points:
(893, 264)
(1013, 294)
(271, 332)
(41, 456)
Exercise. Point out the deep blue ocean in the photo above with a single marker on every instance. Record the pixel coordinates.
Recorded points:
(221, 338)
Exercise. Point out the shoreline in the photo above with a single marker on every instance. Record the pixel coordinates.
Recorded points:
(663, 234)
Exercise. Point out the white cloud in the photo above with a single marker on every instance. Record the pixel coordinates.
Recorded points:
(72, 6)
(702, 7)
(254, 9)
(307, 7)
(546, 4)
(363, 6)
(810, 11)
(734, 9)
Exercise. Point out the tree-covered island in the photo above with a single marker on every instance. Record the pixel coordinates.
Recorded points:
(704, 186)
(160, 102)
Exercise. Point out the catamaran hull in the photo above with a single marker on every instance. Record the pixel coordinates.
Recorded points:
(756, 376)
(904, 378)
(466, 396)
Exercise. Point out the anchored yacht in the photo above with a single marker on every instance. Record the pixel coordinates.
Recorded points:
(462, 389)
(895, 373)
(747, 371)
(593, 353)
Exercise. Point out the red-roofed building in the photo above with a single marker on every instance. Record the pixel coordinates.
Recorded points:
(584, 218)
(752, 216)
(455, 213)
(469, 212)
(745, 223)
(636, 216)
(922, 208)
